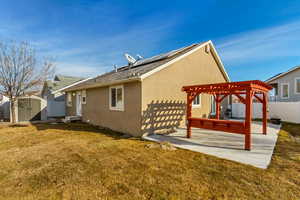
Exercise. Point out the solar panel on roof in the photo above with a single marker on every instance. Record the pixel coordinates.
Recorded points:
(149, 60)
(158, 57)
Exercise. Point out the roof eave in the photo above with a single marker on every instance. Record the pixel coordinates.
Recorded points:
(282, 74)
(215, 54)
(95, 85)
(71, 85)
(219, 61)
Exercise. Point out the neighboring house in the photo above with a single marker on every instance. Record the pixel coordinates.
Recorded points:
(55, 97)
(286, 86)
(145, 96)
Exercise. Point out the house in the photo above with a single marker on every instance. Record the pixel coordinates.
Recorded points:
(145, 96)
(286, 86)
(55, 97)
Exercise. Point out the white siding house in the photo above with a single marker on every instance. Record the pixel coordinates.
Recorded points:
(53, 93)
(286, 86)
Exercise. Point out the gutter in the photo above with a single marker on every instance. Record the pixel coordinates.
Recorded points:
(281, 74)
(95, 85)
(73, 84)
(222, 68)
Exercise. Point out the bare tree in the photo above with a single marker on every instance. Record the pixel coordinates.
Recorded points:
(21, 71)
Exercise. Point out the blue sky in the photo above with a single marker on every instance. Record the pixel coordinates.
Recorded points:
(255, 39)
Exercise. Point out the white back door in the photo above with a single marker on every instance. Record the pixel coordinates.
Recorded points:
(78, 103)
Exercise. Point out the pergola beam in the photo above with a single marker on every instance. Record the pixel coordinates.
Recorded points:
(223, 97)
(258, 98)
(242, 99)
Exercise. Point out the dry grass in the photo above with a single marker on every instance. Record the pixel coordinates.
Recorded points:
(81, 162)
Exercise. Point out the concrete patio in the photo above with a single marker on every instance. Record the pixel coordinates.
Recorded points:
(226, 145)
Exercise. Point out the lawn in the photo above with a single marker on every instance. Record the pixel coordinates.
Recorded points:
(78, 161)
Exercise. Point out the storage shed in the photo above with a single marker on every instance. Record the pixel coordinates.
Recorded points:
(30, 108)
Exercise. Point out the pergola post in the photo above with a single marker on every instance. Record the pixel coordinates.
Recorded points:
(188, 115)
(218, 108)
(265, 117)
(248, 119)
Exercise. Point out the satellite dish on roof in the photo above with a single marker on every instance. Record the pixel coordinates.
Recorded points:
(129, 58)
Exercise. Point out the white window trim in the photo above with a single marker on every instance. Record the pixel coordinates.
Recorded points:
(197, 105)
(281, 88)
(116, 108)
(295, 89)
(83, 95)
(69, 103)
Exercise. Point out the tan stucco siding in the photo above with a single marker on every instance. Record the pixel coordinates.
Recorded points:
(163, 89)
(96, 110)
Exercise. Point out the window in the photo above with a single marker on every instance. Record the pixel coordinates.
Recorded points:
(297, 85)
(83, 97)
(275, 90)
(197, 101)
(116, 98)
(69, 99)
(285, 90)
(213, 105)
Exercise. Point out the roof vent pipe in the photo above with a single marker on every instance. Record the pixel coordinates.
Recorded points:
(115, 68)
(207, 48)
(139, 57)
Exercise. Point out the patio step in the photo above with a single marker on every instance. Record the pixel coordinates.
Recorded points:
(72, 118)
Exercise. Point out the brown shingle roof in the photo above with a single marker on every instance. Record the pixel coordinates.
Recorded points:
(129, 73)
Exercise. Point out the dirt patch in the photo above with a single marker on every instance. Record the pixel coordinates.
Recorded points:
(163, 145)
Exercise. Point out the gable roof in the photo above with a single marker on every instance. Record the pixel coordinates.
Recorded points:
(61, 81)
(146, 67)
(281, 74)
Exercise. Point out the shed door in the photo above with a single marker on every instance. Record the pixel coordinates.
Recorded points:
(29, 109)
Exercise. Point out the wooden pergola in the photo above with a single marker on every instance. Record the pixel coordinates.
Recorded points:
(245, 91)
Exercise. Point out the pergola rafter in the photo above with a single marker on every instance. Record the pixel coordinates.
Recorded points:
(244, 90)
